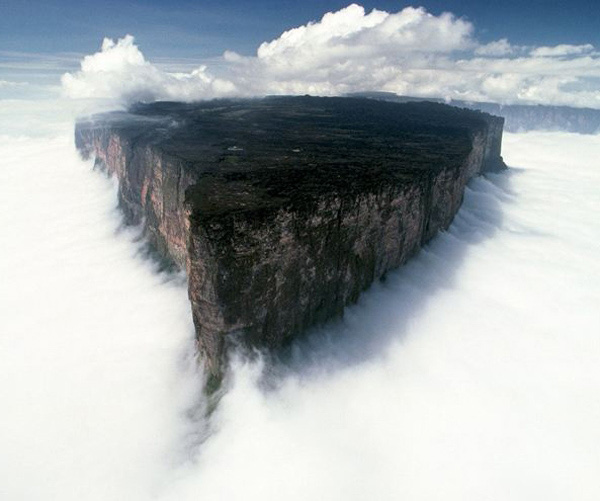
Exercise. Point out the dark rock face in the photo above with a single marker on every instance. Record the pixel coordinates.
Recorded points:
(283, 210)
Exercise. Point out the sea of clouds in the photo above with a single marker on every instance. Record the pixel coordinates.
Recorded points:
(471, 373)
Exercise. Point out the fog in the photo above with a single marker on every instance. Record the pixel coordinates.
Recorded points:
(471, 373)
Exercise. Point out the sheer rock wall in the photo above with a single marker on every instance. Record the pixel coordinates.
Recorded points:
(283, 232)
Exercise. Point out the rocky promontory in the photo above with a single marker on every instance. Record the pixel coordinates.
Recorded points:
(283, 210)
(517, 117)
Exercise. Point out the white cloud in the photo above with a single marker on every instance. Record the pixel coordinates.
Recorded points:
(407, 52)
(120, 72)
(500, 47)
(350, 32)
(10, 83)
(83, 401)
(351, 50)
(471, 373)
(414, 52)
(562, 50)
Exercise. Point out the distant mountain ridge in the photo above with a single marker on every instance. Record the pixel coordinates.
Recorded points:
(518, 117)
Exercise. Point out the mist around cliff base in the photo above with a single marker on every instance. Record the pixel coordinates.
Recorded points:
(471, 373)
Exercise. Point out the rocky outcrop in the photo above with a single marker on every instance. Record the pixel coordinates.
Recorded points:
(283, 210)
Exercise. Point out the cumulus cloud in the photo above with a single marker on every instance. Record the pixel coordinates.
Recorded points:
(562, 50)
(500, 47)
(408, 52)
(351, 50)
(120, 72)
(351, 31)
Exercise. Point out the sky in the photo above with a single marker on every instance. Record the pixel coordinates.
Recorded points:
(470, 373)
(524, 52)
(206, 28)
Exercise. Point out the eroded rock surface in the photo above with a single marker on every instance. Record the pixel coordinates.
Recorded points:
(283, 210)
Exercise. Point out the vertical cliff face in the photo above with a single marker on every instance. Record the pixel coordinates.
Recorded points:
(282, 211)
(267, 277)
(151, 187)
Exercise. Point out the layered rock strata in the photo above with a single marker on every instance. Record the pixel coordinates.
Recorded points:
(283, 210)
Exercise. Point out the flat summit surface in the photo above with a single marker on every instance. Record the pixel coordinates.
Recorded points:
(283, 210)
(258, 153)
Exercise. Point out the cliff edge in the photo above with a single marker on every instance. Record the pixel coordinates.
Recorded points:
(283, 210)
(517, 117)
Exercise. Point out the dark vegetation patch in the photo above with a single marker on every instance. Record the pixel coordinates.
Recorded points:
(258, 154)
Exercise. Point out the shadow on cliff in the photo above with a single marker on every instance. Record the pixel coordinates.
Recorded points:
(383, 314)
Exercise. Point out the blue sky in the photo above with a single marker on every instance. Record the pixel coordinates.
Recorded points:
(203, 29)
(508, 52)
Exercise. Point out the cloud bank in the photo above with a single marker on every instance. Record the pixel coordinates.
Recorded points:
(408, 52)
(471, 373)
(93, 345)
(120, 72)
